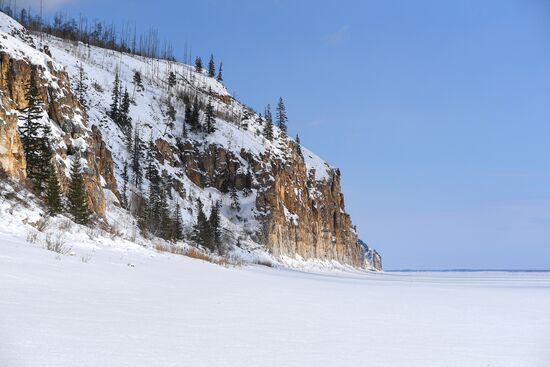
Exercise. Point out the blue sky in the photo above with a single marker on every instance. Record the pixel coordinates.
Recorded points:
(437, 112)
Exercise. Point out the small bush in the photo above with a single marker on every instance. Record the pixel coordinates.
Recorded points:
(32, 236)
(42, 224)
(56, 245)
(264, 262)
(86, 258)
(97, 87)
(197, 254)
(166, 247)
(65, 225)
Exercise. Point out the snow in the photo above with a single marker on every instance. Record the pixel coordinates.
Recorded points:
(137, 308)
(242, 132)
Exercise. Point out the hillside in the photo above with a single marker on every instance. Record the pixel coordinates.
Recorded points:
(275, 201)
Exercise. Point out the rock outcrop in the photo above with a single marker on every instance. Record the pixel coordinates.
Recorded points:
(293, 204)
(62, 109)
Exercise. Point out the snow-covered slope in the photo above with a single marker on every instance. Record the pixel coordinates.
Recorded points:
(200, 166)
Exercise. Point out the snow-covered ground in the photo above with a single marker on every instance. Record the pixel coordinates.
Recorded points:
(125, 307)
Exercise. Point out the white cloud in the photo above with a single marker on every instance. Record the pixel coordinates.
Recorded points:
(338, 36)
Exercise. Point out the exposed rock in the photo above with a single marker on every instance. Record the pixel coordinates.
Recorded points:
(63, 109)
(372, 259)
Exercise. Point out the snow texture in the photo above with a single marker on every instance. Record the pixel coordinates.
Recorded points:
(133, 307)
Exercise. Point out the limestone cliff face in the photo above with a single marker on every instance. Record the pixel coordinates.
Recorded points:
(62, 109)
(299, 214)
(305, 216)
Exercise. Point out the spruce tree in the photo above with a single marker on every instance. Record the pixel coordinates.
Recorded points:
(138, 84)
(299, 146)
(198, 64)
(200, 229)
(150, 167)
(235, 204)
(115, 104)
(219, 78)
(268, 128)
(188, 115)
(81, 89)
(125, 179)
(248, 183)
(124, 120)
(281, 116)
(153, 214)
(210, 121)
(165, 220)
(137, 153)
(53, 193)
(214, 222)
(171, 79)
(77, 197)
(195, 113)
(129, 139)
(170, 115)
(33, 135)
(178, 226)
(211, 67)
(159, 222)
(46, 153)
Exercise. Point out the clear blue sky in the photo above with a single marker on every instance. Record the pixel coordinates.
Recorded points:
(437, 112)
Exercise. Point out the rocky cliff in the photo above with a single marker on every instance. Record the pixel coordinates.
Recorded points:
(291, 204)
(60, 109)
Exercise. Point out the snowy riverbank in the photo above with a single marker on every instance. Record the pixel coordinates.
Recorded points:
(122, 307)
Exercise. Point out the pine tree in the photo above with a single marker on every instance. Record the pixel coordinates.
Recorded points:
(211, 67)
(81, 89)
(281, 116)
(188, 115)
(214, 222)
(210, 121)
(200, 229)
(137, 153)
(171, 79)
(129, 139)
(150, 167)
(248, 183)
(195, 113)
(46, 154)
(53, 193)
(268, 128)
(299, 146)
(153, 214)
(125, 179)
(114, 112)
(159, 222)
(33, 135)
(219, 78)
(170, 115)
(178, 226)
(235, 204)
(124, 119)
(198, 64)
(78, 201)
(138, 84)
(259, 120)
